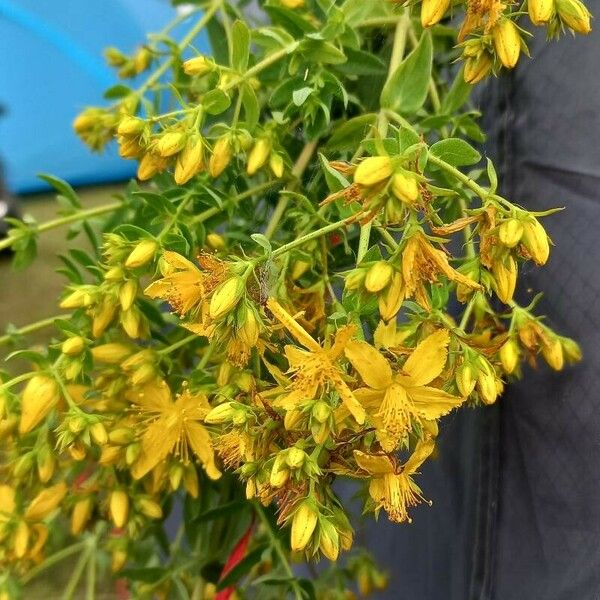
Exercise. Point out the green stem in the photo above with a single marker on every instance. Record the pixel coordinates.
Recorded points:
(177, 345)
(467, 181)
(185, 42)
(215, 210)
(363, 242)
(76, 576)
(78, 216)
(173, 220)
(467, 314)
(276, 544)
(311, 236)
(31, 328)
(16, 380)
(51, 561)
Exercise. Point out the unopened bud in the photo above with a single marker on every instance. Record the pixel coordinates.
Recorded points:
(127, 294)
(378, 276)
(258, 155)
(190, 160)
(221, 156)
(507, 42)
(119, 507)
(505, 278)
(82, 511)
(405, 187)
(276, 165)
(553, 354)
(220, 414)
(373, 170)
(574, 14)
(73, 346)
(509, 356)
(150, 508)
(540, 11)
(432, 11)
(391, 300)
(131, 126)
(226, 297)
(510, 232)
(304, 523)
(535, 240)
(199, 65)
(142, 254)
(170, 143)
(41, 394)
(111, 354)
(295, 457)
(46, 501)
(477, 68)
(466, 379)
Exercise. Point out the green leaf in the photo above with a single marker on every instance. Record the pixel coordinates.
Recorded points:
(224, 510)
(117, 91)
(216, 101)
(300, 96)
(349, 134)
(361, 63)
(145, 574)
(321, 52)
(335, 180)
(406, 90)
(240, 46)
(63, 188)
(492, 176)
(261, 240)
(251, 106)
(455, 152)
(457, 95)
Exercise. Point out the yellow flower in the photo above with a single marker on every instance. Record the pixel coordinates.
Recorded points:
(315, 367)
(183, 287)
(391, 488)
(173, 427)
(398, 400)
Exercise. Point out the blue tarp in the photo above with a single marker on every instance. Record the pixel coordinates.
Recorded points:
(51, 67)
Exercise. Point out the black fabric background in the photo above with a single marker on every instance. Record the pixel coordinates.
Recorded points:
(516, 487)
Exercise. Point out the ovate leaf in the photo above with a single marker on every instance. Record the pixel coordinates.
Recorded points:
(406, 90)
(455, 152)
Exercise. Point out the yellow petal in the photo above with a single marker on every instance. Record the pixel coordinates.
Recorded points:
(373, 368)
(376, 465)
(295, 329)
(179, 262)
(369, 398)
(345, 393)
(342, 338)
(154, 397)
(199, 440)
(428, 358)
(431, 403)
(7, 502)
(422, 451)
(157, 443)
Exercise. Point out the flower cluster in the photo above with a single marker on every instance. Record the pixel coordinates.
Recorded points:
(301, 284)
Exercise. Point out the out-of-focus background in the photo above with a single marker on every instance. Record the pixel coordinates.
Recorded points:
(51, 68)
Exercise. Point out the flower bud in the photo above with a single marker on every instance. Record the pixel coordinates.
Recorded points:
(131, 126)
(226, 297)
(73, 346)
(220, 414)
(46, 464)
(170, 143)
(46, 501)
(103, 315)
(215, 241)
(505, 278)
(142, 60)
(276, 165)
(552, 352)
(127, 294)
(150, 508)
(119, 507)
(82, 511)
(574, 14)
(150, 165)
(329, 540)
(477, 68)
(321, 411)
(250, 328)
(190, 160)
(111, 354)
(221, 156)
(199, 65)
(355, 279)
(304, 523)
(378, 276)
(432, 11)
(507, 42)
(466, 379)
(535, 240)
(132, 323)
(114, 57)
(98, 433)
(486, 382)
(258, 155)
(510, 232)
(509, 356)
(21, 540)
(571, 349)
(391, 300)
(79, 298)
(405, 187)
(142, 254)
(295, 457)
(540, 11)
(372, 170)
(118, 560)
(292, 4)
(41, 394)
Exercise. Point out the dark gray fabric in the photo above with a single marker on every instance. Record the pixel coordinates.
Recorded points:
(516, 488)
